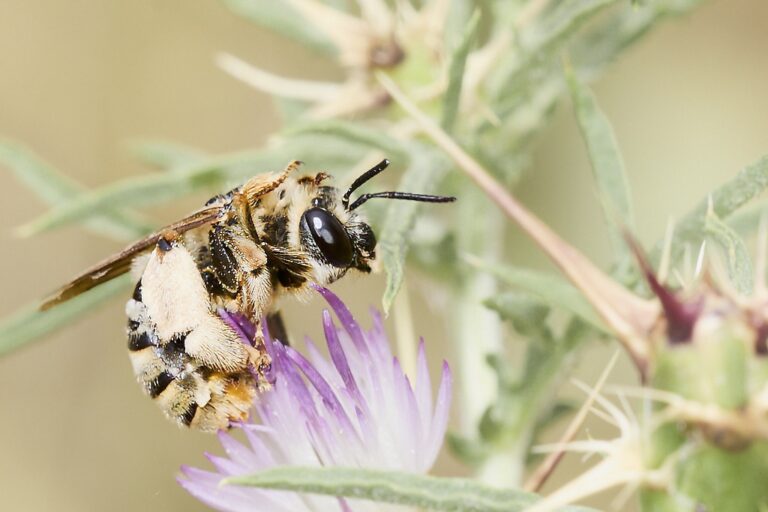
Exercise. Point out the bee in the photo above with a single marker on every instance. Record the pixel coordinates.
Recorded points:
(276, 235)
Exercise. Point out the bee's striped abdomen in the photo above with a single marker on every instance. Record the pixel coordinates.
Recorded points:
(189, 393)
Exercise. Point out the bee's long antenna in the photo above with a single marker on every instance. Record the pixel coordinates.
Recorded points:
(407, 196)
(360, 181)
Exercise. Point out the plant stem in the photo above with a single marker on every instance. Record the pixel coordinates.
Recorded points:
(629, 316)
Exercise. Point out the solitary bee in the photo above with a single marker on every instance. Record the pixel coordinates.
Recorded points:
(275, 235)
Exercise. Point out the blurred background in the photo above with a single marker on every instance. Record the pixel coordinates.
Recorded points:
(79, 79)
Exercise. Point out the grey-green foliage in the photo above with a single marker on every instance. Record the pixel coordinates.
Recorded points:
(607, 166)
(30, 323)
(736, 254)
(55, 188)
(425, 492)
(422, 176)
(284, 20)
(724, 201)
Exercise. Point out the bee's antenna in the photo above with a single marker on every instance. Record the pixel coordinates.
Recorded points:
(360, 181)
(407, 196)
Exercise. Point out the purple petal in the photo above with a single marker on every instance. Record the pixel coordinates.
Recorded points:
(340, 360)
(423, 388)
(409, 418)
(440, 419)
(345, 317)
(240, 324)
(226, 466)
(326, 392)
(234, 450)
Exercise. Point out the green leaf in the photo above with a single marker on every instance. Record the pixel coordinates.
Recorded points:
(607, 165)
(614, 33)
(426, 492)
(29, 323)
(550, 289)
(164, 154)
(355, 133)
(56, 189)
(725, 200)
(567, 18)
(528, 315)
(732, 480)
(735, 250)
(285, 21)
(421, 177)
(456, 68)
(215, 173)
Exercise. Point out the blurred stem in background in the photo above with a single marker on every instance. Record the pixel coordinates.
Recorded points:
(477, 332)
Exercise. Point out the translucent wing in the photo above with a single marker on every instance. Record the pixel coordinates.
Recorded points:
(120, 263)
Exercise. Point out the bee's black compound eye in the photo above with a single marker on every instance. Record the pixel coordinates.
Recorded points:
(330, 237)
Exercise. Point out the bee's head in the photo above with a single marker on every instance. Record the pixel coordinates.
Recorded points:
(336, 237)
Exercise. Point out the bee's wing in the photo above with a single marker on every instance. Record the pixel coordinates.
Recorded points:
(120, 263)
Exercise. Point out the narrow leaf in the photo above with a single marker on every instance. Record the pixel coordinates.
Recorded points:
(735, 250)
(29, 323)
(283, 20)
(456, 67)
(725, 200)
(163, 154)
(426, 492)
(527, 315)
(355, 133)
(548, 288)
(565, 20)
(421, 177)
(56, 188)
(607, 164)
(747, 220)
(618, 30)
(214, 172)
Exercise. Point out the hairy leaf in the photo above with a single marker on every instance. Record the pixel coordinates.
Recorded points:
(55, 188)
(528, 315)
(748, 219)
(550, 289)
(607, 165)
(421, 177)
(283, 20)
(213, 172)
(618, 30)
(29, 323)
(456, 67)
(735, 250)
(565, 20)
(164, 154)
(725, 200)
(353, 132)
(426, 492)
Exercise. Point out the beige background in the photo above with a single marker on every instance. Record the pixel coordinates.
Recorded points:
(79, 78)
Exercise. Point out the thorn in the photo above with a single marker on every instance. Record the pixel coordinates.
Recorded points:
(681, 317)
(762, 257)
(700, 259)
(666, 253)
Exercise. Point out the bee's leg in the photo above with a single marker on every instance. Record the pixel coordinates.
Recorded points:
(277, 329)
(239, 263)
(180, 306)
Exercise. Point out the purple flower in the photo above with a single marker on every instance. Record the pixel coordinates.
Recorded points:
(356, 410)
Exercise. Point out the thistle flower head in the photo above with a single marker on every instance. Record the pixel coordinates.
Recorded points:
(357, 409)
